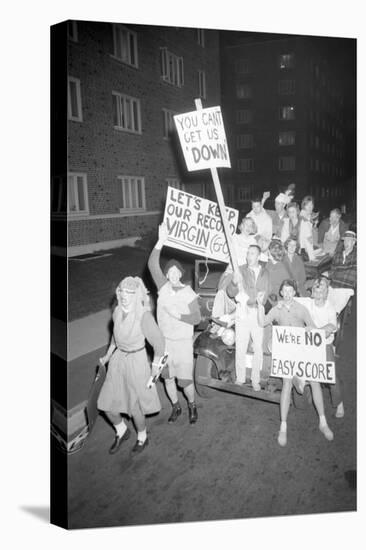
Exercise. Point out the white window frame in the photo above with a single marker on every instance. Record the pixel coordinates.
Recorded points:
(128, 191)
(202, 84)
(172, 68)
(243, 91)
(79, 116)
(201, 37)
(73, 36)
(77, 212)
(283, 66)
(286, 86)
(176, 183)
(245, 165)
(287, 134)
(168, 123)
(125, 34)
(284, 164)
(291, 109)
(244, 141)
(240, 117)
(122, 101)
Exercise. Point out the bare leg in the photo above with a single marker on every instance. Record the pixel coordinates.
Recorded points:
(171, 390)
(284, 408)
(118, 423)
(139, 418)
(319, 405)
(189, 392)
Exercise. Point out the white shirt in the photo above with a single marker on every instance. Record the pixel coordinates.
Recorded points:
(263, 222)
(242, 243)
(323, 315)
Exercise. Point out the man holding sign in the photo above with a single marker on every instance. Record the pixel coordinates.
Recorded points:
(289, 313)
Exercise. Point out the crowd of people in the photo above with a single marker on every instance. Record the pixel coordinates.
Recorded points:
(272, 249)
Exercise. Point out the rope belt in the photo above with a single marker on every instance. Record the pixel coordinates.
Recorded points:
(128, 352)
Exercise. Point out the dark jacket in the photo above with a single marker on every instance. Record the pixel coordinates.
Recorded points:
(324, 227)
(251, 287)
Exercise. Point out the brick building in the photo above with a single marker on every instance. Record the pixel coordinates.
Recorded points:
(125, 82)
(284, 100)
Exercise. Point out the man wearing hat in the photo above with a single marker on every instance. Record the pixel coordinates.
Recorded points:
(178, 312)
(343, 271)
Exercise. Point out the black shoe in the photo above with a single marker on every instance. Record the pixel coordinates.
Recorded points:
(176, 411)
(139, 446)
(118, 442)
(192, 412)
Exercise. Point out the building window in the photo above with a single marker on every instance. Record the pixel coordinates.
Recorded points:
(172, 70)
(317, 142)
(77, 194)
(287, 112)
(311, 162)
(245, 165)
(243, 91)
(244, 116)
(59, 195)
(133, 193)
(317, 165)
(168, 123)
(74, 100)
(244, 141)
(242, 66)
(175, 182)
(286, 163)
(286, 138)
(126, 113)
(125, 45)
(286, 87)
(287, 61)
(202, 84)
(201, 37)
(72, 31)
(245, 193)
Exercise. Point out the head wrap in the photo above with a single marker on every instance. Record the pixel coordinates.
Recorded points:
(173, 263)
(350, 234)
(135, 284)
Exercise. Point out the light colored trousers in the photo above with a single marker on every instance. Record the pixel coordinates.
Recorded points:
(246, 326)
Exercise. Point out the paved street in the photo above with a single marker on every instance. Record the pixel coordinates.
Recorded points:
(228, 465)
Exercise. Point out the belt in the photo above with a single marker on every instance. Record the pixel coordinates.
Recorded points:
(128, 352)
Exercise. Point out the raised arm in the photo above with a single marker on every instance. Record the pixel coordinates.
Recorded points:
(154, 259)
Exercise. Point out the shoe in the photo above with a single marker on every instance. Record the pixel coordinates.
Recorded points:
(118, 441)
(176, 412)
(282, 438)
(340, 411)
(256, 387)
(192, 412)
(298, 385)
(140, 446)
(327, 432)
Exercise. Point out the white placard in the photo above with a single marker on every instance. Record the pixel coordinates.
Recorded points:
(301, 353)
(194, 225)
(203, 140)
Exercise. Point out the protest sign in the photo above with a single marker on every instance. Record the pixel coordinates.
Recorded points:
(203, 140)
(301, 353)
(194, 225)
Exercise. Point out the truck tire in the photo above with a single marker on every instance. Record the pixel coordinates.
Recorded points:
(204, 367)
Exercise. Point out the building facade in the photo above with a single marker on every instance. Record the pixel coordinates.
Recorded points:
(125, 83)
(283, 98)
